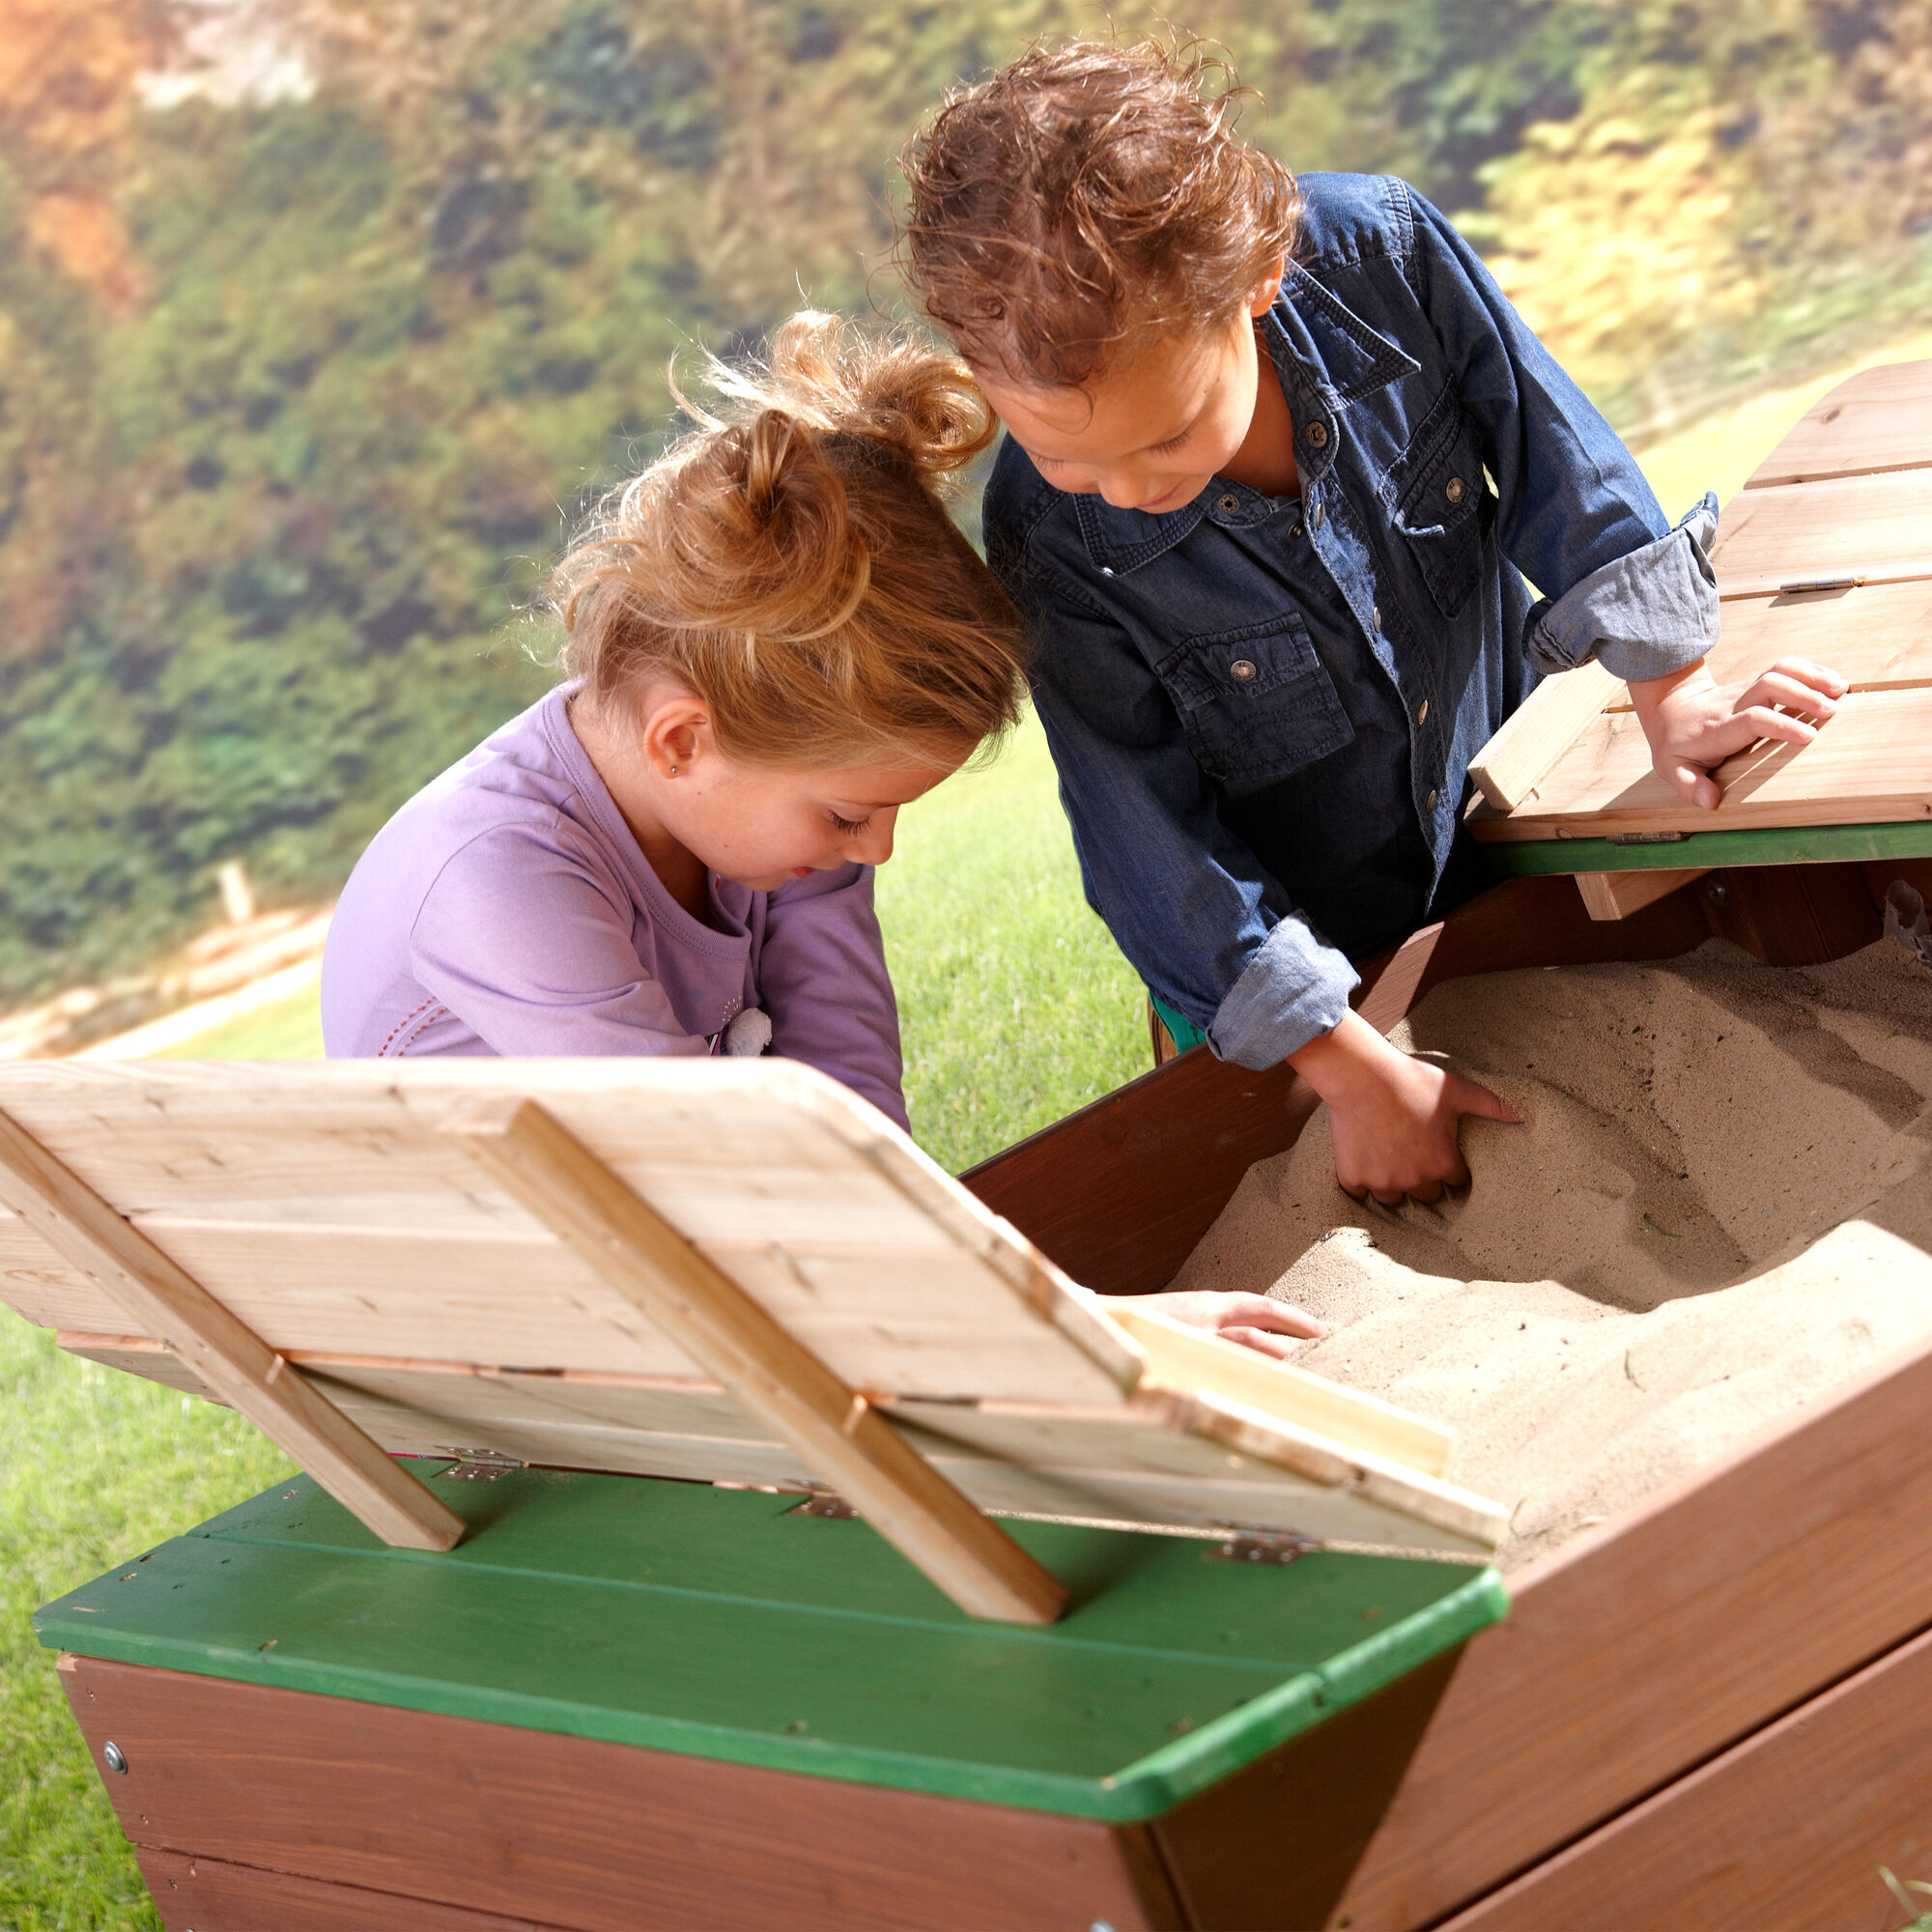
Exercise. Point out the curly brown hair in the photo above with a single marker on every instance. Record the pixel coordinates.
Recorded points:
(1084, 195)
(791, 559)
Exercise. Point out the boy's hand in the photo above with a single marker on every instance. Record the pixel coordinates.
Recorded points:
(1394, 1119)
(1694, 724)
(1252, 1319)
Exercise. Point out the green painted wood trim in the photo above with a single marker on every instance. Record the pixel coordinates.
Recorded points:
(1775, 845)
(676, 1617)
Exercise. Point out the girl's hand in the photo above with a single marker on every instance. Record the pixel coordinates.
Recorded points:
(1394, 1119)
(1694, 724)
(1251, 1320)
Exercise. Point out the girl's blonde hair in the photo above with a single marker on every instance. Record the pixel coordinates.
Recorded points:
(792, 562)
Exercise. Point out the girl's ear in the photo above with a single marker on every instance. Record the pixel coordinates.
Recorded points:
(1265, 290)
(677, 736)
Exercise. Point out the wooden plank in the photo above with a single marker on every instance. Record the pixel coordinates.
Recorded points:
(597, 1836)
(1184, 1357)
(203, 1894)
(1711, 1609)
(1513, 763)
(1871, 762)
(1877, 635)
(287, 1191)
(836, 1432)
(1877, 420)
(1874, 528)
(160, 1297)
(1787, 1828)
(1159, 1460)
(1618, 895)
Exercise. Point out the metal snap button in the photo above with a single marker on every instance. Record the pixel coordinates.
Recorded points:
(1294, 528)
(1106, 570)
(1231, 504)
(1455, 489)
(1430, 801)
(1376, 617)
(1318, 515)
(1316, 435)
(1242, 668)
(1422, 715)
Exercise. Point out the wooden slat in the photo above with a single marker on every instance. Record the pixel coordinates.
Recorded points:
(1708, 1612)
(204, 1894)
(1183, 1357)
(1879, 635)
(1872, 763)
(600, 1838)
(1877, 420)
(1877, 527)
(1161, 1458)
(837, 1434)
(1788, 1828)
(1513, 763)
(1618, 895)
(160, 1297)
(288, 1191)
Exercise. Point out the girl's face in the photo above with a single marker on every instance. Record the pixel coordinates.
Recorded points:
(1155, 428)
(693, 806)
(763, 825)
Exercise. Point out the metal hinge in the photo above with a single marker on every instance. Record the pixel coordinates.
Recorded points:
(476, 1465)
(823, 1503)
(1261, 1546)
(1809, 584)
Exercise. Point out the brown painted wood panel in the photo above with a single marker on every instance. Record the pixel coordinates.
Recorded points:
(1649, 1647)
(572, 1832)
(1785, 1832)
(196, 1894)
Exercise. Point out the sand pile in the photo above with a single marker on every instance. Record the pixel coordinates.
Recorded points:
(1718, 1211)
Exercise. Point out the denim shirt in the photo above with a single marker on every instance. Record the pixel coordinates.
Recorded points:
(1263, 709)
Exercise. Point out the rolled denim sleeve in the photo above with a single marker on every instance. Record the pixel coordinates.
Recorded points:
(1575, 516)
(1199, 918)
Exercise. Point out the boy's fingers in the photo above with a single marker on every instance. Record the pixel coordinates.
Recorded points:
(1778, 687)
(1820, 677)
(1469, 1098)
(1749, 723)
(1695, 785)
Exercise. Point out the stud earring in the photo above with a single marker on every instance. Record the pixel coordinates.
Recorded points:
(673, 771)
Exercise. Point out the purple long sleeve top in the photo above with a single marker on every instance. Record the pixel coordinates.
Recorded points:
(507, 909)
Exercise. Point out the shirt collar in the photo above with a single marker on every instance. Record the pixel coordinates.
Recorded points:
(1326, 356)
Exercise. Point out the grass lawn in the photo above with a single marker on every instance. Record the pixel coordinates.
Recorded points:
(1016, 1010)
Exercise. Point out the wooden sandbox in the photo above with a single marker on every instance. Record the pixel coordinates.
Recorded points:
(1708, 1712)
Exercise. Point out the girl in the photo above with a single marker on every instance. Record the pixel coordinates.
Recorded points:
(1280, 458)
(775, 638)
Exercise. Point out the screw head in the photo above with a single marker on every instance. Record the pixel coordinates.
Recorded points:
(116, 1758)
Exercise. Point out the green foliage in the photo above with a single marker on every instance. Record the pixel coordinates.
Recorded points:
(298, 396)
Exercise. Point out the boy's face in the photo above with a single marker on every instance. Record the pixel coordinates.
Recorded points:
(1155, 428)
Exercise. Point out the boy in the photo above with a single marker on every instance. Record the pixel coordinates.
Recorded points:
(1280, 457)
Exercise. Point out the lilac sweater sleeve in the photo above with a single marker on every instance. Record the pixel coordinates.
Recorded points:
(522, 940)
(822, 979)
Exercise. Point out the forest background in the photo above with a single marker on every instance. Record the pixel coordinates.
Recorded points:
(320, 320)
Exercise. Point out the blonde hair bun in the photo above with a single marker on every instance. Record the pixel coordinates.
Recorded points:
(792, 561)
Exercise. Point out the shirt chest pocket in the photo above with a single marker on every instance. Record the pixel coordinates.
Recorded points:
(1257, 704)
(1440, 496)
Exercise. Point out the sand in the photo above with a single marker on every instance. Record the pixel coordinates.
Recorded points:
(1718, 1213)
